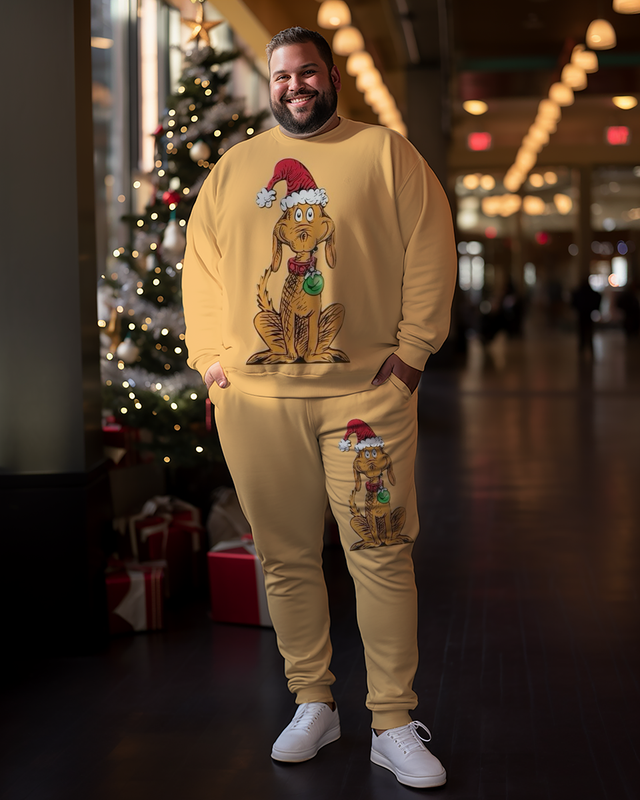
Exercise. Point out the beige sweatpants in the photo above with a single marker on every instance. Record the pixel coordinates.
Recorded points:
(286, 456)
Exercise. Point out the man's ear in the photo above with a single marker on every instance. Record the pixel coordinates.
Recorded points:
(336, 80)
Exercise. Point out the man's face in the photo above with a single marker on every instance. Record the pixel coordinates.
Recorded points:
(303, 93)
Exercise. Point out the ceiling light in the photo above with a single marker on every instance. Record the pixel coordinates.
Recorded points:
(510, 204)
(334, 14)
(550, 178)
(471, 182)
(574, 76)
(359, 62)
(538, 134)
(101, 43)
(512, 181)
(563, 203)
(536, 179)
(347, 40)
(491, 205)
(475, 107)
(532, 205)
(561, 94)
(625, 102)
(600, 35)
(547, 109)
(369, 79)
(487, 182)
(586, 59)
(626, 6)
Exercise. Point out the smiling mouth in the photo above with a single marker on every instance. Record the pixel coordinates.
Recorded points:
(299, 99)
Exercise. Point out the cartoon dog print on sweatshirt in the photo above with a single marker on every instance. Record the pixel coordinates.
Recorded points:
(301, 331)
(379, 525)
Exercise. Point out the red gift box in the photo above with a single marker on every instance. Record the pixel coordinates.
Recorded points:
(135, 599)
(236, 582)
(168, 529)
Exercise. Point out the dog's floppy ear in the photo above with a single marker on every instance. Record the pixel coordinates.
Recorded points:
(390, 475)
(330, 247)
(276, 250)
(356, 476)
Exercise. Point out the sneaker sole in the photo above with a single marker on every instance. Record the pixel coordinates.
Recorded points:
(415, 781)
(332, 735)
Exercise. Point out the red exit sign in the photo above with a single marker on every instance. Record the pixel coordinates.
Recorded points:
(479, 140)
(618, 134)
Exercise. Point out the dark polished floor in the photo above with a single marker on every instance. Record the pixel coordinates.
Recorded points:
(528, 568)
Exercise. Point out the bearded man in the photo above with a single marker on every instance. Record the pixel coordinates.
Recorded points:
(349, 324)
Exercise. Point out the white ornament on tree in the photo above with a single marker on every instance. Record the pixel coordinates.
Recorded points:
(200, 151)
(174, 241)
(128, 351)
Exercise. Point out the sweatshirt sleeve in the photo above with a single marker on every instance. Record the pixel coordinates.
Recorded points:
(201, 286)
(430, 266)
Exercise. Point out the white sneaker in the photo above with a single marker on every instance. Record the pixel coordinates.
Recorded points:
(313, 726)
(402, 751)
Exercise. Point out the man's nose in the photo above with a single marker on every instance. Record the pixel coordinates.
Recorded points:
(295, 83)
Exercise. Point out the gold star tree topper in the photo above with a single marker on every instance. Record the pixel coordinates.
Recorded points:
(199, 28)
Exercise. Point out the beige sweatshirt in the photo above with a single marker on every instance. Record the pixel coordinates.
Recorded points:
(310, 261)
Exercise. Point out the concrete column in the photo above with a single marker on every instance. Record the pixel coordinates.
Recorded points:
(584, 233)
(52, 477)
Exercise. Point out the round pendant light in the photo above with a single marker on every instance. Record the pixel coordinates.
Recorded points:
(334, 14)
(626, 6)
(547, 109)
(574, 76)
(369, 79)
(347, 40)
(359, 62)
(475, 107)
(586, 59)
(600, 35)
(561, 94)
(625, 102)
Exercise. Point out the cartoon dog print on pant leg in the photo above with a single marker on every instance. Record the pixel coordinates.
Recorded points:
(301, 331)
(379, 525)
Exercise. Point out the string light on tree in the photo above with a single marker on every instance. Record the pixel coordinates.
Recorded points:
(142, 331)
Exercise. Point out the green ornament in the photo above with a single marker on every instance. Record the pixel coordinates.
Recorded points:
(384, 496)
(313, 284)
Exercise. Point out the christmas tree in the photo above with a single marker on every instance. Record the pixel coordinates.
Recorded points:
(147, 383)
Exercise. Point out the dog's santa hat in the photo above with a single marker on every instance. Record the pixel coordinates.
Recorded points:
(301, 188)
(366, 436)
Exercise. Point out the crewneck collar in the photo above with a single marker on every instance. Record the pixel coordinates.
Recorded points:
(335, 134)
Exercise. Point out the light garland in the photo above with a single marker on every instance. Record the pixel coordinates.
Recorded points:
(600, 35)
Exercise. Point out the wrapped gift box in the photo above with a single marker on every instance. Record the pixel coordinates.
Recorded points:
(168, 529)
(135, 599)
(237, 584)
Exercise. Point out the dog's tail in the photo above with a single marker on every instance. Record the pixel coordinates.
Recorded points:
(352, 504)
(264, 301)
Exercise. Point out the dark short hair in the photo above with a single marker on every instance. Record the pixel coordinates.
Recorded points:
(299, 35)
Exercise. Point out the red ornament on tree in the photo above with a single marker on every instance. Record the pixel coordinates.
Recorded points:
(170, 197)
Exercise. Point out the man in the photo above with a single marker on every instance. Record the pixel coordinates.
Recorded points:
(312, 366)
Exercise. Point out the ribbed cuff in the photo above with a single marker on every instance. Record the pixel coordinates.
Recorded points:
(384, 720)
(314, 694)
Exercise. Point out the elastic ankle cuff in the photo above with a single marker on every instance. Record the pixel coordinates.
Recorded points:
(318, 694)
(384, 720)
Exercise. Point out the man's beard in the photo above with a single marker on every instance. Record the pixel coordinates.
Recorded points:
(324, 106)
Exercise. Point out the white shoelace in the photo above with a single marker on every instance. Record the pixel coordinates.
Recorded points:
(306, 715)
(408, 737)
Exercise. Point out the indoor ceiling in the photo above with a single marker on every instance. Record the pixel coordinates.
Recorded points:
(507, 53)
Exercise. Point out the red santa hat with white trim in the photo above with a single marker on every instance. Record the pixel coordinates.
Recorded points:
(301, 188)
(366, 436)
